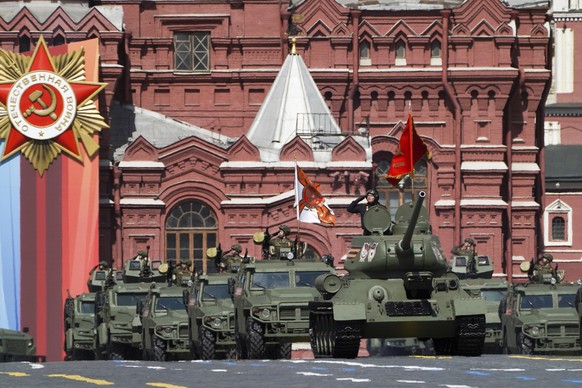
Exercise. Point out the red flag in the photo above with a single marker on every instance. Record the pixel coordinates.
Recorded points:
(410, 151)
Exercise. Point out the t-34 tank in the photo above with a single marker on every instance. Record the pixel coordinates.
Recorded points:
(397, 286)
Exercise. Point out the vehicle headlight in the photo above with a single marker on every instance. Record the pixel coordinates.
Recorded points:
(532, 330)
(216, 322)
(164, 330)
(30, 343)
(290, 255)
(265, 313)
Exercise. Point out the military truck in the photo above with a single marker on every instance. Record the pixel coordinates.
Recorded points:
(164, 324)
(397, 286)
(79, 319)
(271, 301)
(540, 318)
(480, 283)
(18, 346)
(115, 312)
(211, 317)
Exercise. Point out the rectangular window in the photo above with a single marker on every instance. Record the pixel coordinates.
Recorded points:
(192, 51)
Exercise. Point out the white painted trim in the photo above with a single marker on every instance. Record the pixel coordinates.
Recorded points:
(558, 207)
(141, 164)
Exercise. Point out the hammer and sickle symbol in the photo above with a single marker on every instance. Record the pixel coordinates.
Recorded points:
(47, 110)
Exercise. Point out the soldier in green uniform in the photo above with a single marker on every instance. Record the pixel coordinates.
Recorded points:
(231, 261)
(467, 248)
(544, 262)
(182, 273)
(102, 266)
(280, 245)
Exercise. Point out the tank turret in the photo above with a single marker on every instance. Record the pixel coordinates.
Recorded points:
(410, 248)
(397, 286)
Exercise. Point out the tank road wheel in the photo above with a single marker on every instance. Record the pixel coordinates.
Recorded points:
(470, 335)
(208, 344)
(321, 330)
(255, 342)
(525, 344)
(158, 349)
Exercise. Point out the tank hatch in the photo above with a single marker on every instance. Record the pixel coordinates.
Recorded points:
(377, 219)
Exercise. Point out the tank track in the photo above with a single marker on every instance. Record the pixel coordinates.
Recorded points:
(330, 338)
(468, 341)
(470, 335)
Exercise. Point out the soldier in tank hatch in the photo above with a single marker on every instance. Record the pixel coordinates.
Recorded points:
(372, 196)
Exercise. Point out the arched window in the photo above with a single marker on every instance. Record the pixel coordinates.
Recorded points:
(365, 59)
(435, 53)
(400, 53)
(558, 228)
(191, 229)
(392, 196)
(58, 40)
(23, 44)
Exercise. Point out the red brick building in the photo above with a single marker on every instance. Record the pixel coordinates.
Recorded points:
(181, 170)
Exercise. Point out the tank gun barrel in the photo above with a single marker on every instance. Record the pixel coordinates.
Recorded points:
(404, 244)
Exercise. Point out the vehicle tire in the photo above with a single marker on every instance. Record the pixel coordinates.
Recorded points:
(158, 349)
(255, 342)
(231, 353)
(282, 351)
(525, 344)
(115, 351)
(207, 343)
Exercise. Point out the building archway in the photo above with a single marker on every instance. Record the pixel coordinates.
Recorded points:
(191, 228)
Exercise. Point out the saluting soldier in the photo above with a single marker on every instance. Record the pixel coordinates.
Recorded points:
(280, 245)
(232, 259)
(467, 248)
(182, 273)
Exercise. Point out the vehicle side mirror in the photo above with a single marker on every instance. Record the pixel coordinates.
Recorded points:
(185, 297)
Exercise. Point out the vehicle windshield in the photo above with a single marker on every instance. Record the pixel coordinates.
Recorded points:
(87, 307)
(215, 291)
(307, 278)
(172, 303)
(129, 299)
(529, 302)
(493, 295)
(270, 280)
(566, 300)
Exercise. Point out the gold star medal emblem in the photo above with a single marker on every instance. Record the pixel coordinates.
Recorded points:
(46, 106)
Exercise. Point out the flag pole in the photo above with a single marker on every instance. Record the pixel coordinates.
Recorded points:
(297, 242)
(411, 153)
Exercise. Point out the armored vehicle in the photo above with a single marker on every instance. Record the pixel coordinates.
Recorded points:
(145, 270)
(397, 286)
(115, 312)
(271, 300)
(100, 279)
(164, 324)
(18, 346)
(211, 317)
(481, 284)
(540, 318)
(79, 316)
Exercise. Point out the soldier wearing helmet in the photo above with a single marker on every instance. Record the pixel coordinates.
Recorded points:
(182, 273)
(372, 196)
(280, 246)
(467, 248)
(231, 260)
(544, 262)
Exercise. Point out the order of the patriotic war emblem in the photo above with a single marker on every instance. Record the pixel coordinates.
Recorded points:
(46, 106)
